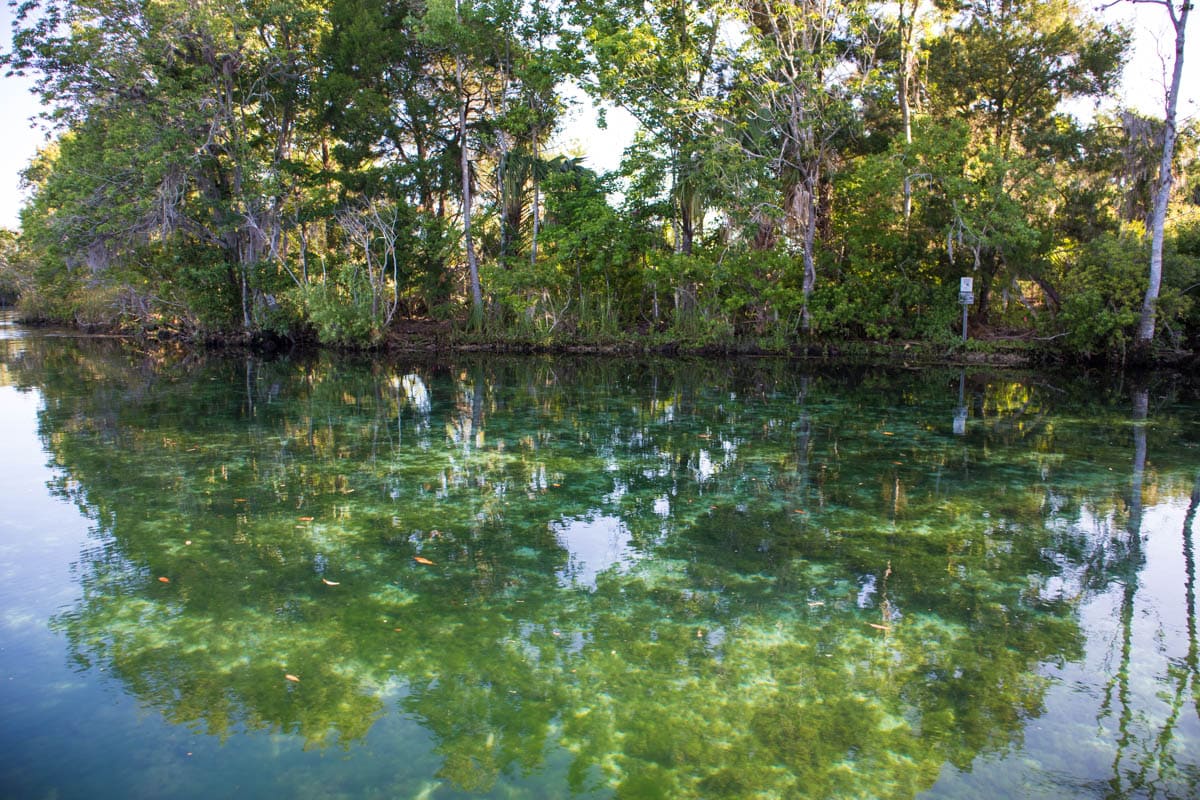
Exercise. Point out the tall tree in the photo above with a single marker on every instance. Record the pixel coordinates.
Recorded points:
(186, 118)
(530, 109)
(1178, 15)
(659, 61)
(799, 80)
(1005, 68)
(476, 62)
(908, 14)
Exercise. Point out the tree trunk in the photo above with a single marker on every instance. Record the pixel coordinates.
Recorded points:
(765, 237)
(687, 226)
(537, 200)
(810, 270)
(801, 207)
(904, 84)
(904, 79)
(1162, 194)
(472, 262)
(1052, 296)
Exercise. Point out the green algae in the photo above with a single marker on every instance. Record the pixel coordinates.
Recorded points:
(791, 588)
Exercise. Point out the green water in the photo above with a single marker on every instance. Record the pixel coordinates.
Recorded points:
(646, 579)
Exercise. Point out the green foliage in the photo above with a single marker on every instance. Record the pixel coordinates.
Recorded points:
(882, 306)
(760, 292)
(1008, 66)
(1101, 301)
(12, 279)
(533, 301)
(305, 167)
(1179, 301)
(1101, 289)
(340, 310)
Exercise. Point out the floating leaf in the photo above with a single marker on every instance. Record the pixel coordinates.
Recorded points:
(306, 519)
(816, 603)
(328, 582)
(164, 580)
(879, 627)
(422, 560)
(291, 677)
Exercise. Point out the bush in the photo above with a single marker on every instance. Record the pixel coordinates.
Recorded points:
(339, 316)
(884, 306)
(1102, 291)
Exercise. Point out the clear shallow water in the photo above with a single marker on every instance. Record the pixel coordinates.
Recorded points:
(647, 580)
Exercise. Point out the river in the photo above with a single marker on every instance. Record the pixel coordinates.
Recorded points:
(329, 576)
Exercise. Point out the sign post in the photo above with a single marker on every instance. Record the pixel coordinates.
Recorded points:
(966, 296)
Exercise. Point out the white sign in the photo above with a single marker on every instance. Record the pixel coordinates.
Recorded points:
(966, 285)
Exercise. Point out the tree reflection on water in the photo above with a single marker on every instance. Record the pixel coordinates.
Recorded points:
(691, 579)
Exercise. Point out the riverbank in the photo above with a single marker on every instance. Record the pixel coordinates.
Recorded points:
(982, 348)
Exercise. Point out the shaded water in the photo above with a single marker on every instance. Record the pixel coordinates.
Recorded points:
(537, 578)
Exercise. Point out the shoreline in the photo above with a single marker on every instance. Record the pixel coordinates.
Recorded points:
(423, 337)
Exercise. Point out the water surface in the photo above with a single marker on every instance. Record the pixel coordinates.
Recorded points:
(526, 578)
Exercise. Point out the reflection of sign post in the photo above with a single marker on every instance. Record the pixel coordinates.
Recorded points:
(966, 296)
(960, 413)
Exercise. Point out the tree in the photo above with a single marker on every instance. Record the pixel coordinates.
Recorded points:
(906, 73)
(1162, 192)
(1005, 70)
(660, 62)
(186, 118)
(798, 84)
(525, 112)
(477, 64)
(11, 279)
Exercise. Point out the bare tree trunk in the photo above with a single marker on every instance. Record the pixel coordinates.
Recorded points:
(537, 199)
(801, 204)
(904, 85)
(810, 267)
(1162, 195)
(472, 262)
(905, 77)
(687, 228)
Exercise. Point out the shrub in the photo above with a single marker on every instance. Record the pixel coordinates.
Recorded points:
(1102, 291)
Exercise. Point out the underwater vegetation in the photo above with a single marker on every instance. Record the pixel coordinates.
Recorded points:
(662, 579)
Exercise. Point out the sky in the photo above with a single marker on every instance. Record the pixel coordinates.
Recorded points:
(18, 142)
(1143, 91)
